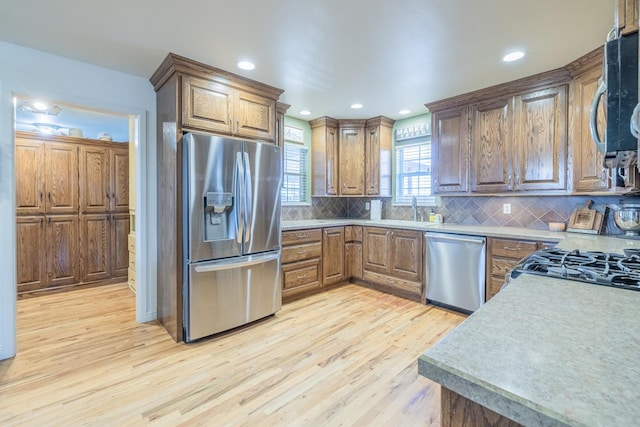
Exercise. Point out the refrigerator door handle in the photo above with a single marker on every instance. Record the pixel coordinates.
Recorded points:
(234, 263)
(239, 197)
(248, 197)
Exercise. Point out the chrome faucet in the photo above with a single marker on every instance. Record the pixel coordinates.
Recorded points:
(414, 205)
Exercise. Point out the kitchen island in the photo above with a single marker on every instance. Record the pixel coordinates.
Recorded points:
(545, 352)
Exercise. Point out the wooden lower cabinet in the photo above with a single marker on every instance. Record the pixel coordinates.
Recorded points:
(105, 250)
(332, 255)
(458, 411)
(353, 251)
(502, 257)
(301, 262)
(47, 251)
(393, 260)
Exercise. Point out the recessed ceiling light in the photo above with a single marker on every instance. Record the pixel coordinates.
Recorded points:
(39, 105)
(513, 56)
(305, 112)
(246, 65)
(404, 111)
(356, 106)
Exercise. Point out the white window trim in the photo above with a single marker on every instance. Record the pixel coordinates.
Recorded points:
(428, 201)
(308, 189)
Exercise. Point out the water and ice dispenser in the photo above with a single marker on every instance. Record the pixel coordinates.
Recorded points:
(217, 212)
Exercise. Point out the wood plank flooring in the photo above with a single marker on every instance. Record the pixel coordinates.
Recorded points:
(344, 357)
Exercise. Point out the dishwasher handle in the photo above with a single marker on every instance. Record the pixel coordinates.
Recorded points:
(455, 239)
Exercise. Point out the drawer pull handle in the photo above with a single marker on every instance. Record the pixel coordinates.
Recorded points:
(300, 235)
(511, 248)
(302, 277)
(302, 252)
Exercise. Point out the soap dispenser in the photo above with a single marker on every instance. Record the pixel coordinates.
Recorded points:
(432, 216)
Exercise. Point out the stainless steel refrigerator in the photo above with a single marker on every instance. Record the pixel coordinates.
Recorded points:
(232, 233)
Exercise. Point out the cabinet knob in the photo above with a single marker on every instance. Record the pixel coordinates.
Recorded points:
(49, 195)
(41, 196)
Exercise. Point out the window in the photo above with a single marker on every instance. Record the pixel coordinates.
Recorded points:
(294, 186)
(413, 170)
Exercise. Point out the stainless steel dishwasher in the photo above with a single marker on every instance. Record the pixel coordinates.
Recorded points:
(455, 270)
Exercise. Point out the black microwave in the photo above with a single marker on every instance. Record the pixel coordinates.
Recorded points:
(620, 83)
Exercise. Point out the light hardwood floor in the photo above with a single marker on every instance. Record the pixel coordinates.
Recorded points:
(343, 357)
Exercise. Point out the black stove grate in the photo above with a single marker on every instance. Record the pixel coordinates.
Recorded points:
(600, 268)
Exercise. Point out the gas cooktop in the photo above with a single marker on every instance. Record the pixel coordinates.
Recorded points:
(620, 271)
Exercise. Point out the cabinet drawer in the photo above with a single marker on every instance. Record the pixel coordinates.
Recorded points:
(516, 249)
(302, 274)
(132, 261)
(132, 242)
(301, 236)
(353, 233)
(501, 266)
(301, 252)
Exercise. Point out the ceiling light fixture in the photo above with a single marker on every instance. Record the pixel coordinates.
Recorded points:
(404, 111)
(39, 107)
(513, 56)
(246, 65)
(356, 106)
(305, 112)
(47, 128)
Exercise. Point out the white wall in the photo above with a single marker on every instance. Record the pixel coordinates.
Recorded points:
(33, 73)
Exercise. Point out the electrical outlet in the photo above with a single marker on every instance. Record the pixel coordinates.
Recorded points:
(367, 206)
(506, 208)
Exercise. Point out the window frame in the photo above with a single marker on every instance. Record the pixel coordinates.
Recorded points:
(397, 199)
(304, 173)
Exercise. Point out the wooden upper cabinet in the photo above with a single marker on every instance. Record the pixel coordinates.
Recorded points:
(61, 178)
(104, 179)
(219, 108)
(540, 139)
(324, 159)
(254, 116)
(377, 157)
(207, 105)
(119, 180)
(95, 179)
(588, 172)
(491, 136)
(46, 177)
(351, 153)
(30, 177)
(627, 16)
(450, 150)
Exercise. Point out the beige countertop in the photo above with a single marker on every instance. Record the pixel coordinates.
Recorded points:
(569, 241)
(548, 351)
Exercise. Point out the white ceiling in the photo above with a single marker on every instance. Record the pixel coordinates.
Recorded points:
(325, 54)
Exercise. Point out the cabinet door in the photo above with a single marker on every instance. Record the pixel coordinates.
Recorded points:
(207, 105)
(450, 150)
(406, 255)
(352, 161)
(331, 158)
(95, 240)
(540, 139)
(119, 244)
(62, 249)
(30, 262)
(353, 260)
(119, 180)
(587, 160)
(30, 177)
(491, 137)
(375, 246)
(61, 178)
(254, 116)
(95, 186)
(332, 255)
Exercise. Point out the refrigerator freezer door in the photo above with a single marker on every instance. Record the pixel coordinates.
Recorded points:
(225, 294)
(213, 182)
(263, 175)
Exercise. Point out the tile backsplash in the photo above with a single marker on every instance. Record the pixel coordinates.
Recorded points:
(533, 212)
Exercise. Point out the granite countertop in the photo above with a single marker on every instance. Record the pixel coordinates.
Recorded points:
(548, 351)
(474, 230)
